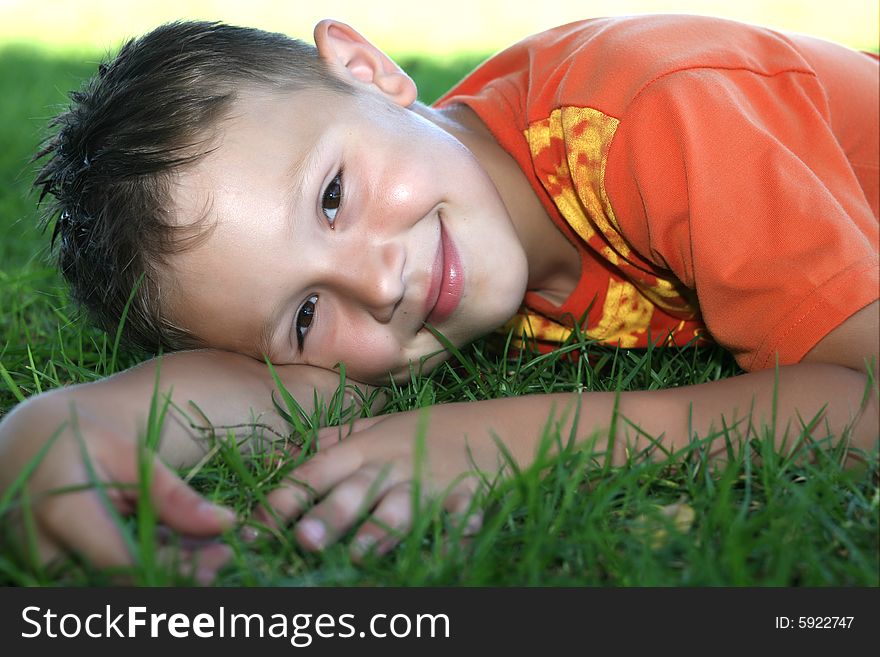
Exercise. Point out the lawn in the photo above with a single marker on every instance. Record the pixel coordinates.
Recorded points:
(778, 520)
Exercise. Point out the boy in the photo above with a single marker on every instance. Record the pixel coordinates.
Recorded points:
(653, 176)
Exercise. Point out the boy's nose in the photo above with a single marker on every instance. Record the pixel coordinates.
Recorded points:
(373, 276)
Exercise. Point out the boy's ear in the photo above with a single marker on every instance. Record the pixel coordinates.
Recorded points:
(355, 59)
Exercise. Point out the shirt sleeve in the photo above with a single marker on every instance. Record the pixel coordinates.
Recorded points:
(734, 181)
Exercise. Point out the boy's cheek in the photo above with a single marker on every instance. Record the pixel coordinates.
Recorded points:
(368, 354)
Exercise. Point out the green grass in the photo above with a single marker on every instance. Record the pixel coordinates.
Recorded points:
(777, 520)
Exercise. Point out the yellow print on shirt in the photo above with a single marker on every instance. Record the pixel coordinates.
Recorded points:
(569, 151)
(577, 184)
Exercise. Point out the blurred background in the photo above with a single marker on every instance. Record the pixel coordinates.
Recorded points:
(411, 26)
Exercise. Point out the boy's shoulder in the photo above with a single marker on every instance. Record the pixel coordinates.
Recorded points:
(619, 56)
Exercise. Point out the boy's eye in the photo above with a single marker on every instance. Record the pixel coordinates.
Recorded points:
(332, 198)
(304, 317)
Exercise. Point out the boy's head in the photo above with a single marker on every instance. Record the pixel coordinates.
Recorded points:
(276, 199)
(111, 163)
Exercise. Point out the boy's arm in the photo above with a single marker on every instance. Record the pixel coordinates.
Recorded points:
(105, 419)
(372, 467)
(207, 389)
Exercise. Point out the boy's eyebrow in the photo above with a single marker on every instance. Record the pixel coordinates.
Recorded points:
(299, 174)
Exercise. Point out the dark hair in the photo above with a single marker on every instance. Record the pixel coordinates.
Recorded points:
(140, 118)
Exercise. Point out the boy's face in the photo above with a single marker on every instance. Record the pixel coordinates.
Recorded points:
(337, 227)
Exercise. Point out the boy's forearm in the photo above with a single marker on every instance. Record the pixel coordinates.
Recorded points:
(208, 390)
(828, 396)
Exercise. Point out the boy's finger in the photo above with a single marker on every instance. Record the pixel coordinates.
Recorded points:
(284, 503)
(79, 522)
(209, 560)
(387, 525)
(202, 563)
(465, 520)
(342, 508)
(465, 516)
(184, 510)
(175, 503)
(307, 483)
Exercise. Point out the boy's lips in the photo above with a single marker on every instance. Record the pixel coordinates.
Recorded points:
(447, 281)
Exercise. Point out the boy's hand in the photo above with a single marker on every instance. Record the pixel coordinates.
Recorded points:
(80, 521)
(371, 466)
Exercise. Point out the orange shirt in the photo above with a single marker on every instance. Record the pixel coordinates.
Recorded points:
(713, 175)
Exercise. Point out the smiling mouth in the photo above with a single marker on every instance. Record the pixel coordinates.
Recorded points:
(447, 280)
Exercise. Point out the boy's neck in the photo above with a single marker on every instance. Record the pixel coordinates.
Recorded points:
(554, 263)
